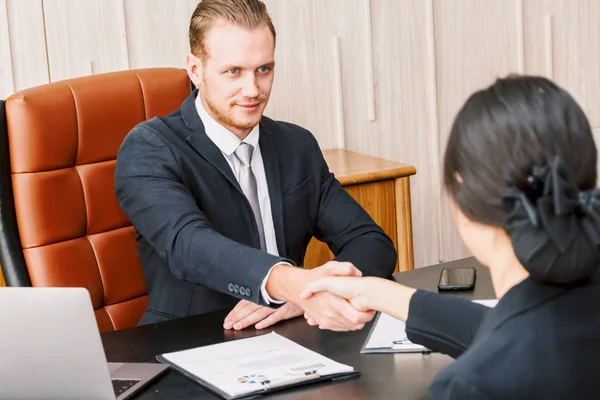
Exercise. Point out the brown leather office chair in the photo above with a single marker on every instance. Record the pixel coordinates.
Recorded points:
(60, 221)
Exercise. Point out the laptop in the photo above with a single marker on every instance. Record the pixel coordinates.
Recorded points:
(50, 348)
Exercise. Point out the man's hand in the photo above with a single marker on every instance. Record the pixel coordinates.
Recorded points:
(246, 313)
(334, 313)
(323, 309)
(366, 294)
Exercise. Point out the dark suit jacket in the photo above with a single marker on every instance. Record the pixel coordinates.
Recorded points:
(539, 342)
(197, 237)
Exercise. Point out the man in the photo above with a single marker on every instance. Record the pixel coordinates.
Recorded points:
(225, 201)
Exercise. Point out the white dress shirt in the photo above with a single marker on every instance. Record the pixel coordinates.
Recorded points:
(228, 142)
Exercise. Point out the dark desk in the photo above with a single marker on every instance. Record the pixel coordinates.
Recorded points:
(383, 376)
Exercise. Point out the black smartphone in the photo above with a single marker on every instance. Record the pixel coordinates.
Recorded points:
(457, 279)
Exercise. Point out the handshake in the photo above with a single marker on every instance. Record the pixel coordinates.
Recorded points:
(333, 296)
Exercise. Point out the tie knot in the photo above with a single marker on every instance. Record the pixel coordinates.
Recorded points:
(244, 153)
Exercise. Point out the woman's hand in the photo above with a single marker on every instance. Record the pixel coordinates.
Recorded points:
(358, 291)
(366, 294)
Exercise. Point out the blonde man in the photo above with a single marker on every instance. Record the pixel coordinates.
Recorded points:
(225, 200)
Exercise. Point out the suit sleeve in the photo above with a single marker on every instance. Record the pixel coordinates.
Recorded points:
(348, 229)
(454, 388)
(443, 323)
(162, 209)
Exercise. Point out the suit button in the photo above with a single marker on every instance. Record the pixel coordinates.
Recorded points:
(230, 287)
(248, 292)
(244, 291)
(236, 288)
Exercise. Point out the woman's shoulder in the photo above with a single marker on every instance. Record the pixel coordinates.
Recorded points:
(526, 356)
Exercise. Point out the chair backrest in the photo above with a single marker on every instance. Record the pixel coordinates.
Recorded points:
(60, 221)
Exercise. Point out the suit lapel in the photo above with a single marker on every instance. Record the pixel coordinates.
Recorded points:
(270, 160)
(202, 143)
(210, 152)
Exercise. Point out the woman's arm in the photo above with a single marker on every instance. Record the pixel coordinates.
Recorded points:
(442, 323)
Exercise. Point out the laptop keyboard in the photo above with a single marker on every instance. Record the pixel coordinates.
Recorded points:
(121, 385)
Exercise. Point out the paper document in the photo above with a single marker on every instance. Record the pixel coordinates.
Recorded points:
(246, 366)
(491, 303)
(388, 334)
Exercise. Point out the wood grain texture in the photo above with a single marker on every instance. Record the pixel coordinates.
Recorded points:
(122, 26)
(28, 43)
(404, 224)
(304, 91)
(596, 133)
(81, 34)
(548, 47)
(412, 72)
(368, 57)
(382, 187)
(377, 198)
(6, 68)
(405, 129)
(157, 32)
(520, 37)
(575, 47)
(340, 132)
(2, 283)
(475, 43)
(352, 168)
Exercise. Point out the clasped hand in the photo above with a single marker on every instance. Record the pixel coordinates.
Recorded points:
(323, 309)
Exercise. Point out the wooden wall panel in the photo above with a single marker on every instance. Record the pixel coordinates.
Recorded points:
(84, 37)
(405, 125)
(563, 38)
(304, 89)
(596, 132)
(28, 43)
(381, 77)
(475, 43)
(6, 68)
(157, 32)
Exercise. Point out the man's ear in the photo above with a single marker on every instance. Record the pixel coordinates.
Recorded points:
(193, 66)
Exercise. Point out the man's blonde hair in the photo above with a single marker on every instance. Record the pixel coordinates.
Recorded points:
(245, 13)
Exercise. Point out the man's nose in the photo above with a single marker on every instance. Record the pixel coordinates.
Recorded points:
(250, 88)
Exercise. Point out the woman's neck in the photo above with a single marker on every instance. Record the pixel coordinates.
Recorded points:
(506, 271)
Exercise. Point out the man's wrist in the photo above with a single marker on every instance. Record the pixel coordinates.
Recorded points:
(286, 282)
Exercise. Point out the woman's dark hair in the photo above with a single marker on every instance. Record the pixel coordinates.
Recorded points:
(506, 144)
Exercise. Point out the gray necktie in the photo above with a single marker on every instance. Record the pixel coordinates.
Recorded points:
(247, 182)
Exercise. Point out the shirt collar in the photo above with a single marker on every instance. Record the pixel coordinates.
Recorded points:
(222, 137)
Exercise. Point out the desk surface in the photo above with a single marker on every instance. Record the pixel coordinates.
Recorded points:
(383, 376)
(352, 168)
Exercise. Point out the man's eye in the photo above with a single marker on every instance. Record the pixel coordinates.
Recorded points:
(233, 71)
(263, 69)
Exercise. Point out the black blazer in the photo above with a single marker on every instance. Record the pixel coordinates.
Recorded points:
(197, 237)
(539, 342)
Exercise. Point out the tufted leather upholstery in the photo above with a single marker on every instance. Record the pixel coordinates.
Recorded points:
(61, 224)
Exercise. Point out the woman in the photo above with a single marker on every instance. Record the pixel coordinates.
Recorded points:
(520, 170)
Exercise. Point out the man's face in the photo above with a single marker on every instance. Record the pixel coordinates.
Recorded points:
(235, 80)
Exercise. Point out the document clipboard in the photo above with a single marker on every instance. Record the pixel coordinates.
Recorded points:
(388, 335)
(285, 365)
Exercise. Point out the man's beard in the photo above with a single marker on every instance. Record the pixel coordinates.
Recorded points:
(228, 120)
